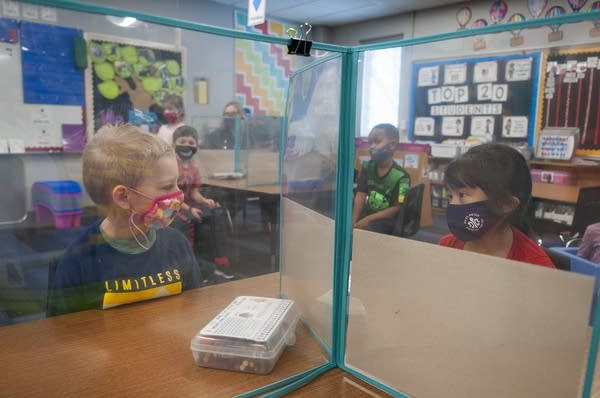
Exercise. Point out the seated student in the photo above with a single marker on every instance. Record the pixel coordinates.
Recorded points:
(590, 244)
(382, 183)
(199, 207)
(130, 255)
(232, 124)
(173, 114)
(489, 189)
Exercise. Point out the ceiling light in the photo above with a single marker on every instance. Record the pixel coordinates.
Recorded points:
(124, 22)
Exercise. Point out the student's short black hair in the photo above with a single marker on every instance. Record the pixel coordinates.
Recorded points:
(391, 131)
(498, 170)
(185, 131)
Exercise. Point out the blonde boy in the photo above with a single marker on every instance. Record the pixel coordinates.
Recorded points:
(131, 254)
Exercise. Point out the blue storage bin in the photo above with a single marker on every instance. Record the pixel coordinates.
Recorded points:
(582, 266)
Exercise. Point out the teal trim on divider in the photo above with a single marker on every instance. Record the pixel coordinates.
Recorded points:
(300, 378)
(497, 28)
(294, 385)
(374, 383)
(282, 150)
(343, 204)
(592, 353)
(176, 23)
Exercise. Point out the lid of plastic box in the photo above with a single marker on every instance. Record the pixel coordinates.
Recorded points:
(249, 326)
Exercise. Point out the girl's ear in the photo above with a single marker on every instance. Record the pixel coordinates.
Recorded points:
(511, 205)
(120, 196)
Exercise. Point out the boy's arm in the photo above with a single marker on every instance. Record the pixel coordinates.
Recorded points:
(360, 196)
(382, 214)
(357, 208)
(400, 188)
(197, 197)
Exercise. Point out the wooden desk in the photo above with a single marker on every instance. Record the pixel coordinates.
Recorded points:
(241, 184)
(141, 349)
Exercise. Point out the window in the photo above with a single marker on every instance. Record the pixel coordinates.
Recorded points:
(380, 88)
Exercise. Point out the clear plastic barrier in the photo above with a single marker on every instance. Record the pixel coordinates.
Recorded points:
(432, 321)
(66, 74)
(309, 189)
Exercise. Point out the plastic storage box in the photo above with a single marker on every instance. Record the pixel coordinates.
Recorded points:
(552, 177)
(59, 201)
(582, 266)
(248, 336)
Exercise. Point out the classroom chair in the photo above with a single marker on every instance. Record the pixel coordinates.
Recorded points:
(408, 219)
(587, 211)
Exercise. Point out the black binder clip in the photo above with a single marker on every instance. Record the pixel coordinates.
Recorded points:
(300, 45)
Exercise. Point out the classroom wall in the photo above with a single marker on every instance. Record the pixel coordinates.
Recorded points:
(206, 48)
(208, 56)
(443, 19)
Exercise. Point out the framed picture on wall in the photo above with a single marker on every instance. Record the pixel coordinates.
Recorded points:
(126, 81)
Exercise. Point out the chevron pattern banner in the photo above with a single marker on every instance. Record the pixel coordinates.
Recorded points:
(262, 69)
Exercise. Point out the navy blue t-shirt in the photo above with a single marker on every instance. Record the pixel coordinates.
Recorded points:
(94, 275)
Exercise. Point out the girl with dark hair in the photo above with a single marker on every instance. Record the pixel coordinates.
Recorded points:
(489, 191)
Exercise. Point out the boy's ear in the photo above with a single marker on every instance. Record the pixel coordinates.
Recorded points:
(120, 196)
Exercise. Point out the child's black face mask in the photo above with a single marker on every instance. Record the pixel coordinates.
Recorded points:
(185, 152)
(379, 155)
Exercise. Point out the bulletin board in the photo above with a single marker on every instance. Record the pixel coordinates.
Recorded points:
(42, 90)
(491, 98)
(571, 95)
(127, 80)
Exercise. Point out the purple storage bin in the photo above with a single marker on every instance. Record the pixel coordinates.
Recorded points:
(58, 201)
(552, 177)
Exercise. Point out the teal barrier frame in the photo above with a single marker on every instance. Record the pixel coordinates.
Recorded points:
(343, 203)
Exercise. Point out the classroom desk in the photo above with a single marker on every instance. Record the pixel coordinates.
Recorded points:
(241, 184)
(268, 196)
(143, 349)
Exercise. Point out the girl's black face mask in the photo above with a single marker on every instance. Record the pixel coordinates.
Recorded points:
(470, 221)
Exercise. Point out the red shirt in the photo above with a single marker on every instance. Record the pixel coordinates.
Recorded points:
(189, 177)
(522, 249)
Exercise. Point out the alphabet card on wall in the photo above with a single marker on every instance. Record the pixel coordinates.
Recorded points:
(475, 99)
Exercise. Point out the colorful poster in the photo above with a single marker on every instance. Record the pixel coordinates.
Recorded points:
(262, 69)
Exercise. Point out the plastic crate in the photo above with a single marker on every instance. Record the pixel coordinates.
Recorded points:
(58, 201)
(582, 266)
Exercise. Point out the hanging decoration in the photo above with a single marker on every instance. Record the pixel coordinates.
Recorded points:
(595, 31)
(498, 11)
(556, 34)
(463, 17)
(516, 39)
(479, 43)
(536, 7)
(576, 5)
